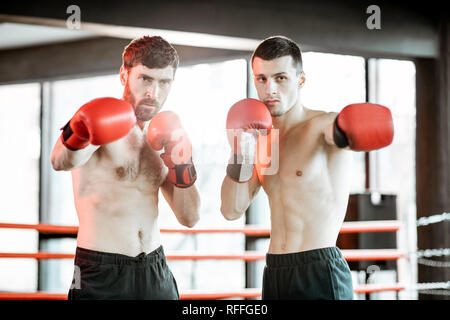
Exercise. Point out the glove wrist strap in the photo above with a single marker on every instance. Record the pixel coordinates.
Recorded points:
(183, 175)
(71, 140)
(339, 136)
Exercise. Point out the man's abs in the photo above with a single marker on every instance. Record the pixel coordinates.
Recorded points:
(128, 225)
(308, 195)
(305, 214)
(295, 232)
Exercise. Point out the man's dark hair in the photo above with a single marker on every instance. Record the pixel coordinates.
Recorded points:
(279, 46)
(152, 52)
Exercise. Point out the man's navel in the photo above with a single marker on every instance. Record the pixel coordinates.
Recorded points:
(141, 240)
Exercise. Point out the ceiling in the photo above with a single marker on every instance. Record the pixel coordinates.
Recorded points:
(15, 35)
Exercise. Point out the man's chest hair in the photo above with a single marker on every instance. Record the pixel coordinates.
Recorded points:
(130, 162)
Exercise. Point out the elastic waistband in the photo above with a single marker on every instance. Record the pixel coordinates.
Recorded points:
(304, 257)
(119, 259)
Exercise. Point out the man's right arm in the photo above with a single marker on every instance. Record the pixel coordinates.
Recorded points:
(237, 196)
(240, 185)
(65, 159)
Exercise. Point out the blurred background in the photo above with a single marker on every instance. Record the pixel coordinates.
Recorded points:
(50, 66)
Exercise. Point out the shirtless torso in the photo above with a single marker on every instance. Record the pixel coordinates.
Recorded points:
(116, 195)
(309, 193)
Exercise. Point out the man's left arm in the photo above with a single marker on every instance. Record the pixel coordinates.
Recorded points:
(165, 131)
(360, 127)
(184, 202)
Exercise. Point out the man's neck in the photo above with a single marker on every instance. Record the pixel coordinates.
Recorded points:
(290, 119)
(141, 124)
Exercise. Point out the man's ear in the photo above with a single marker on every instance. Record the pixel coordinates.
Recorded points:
(302, 79)
(123, 75)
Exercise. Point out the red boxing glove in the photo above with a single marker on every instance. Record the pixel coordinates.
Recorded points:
(99, 122)
(363, 127)
(245, 119)
(165, 131)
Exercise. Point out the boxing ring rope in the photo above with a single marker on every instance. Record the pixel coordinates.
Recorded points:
(347, 227)
(249, 230)
(247, 293)
(349, 255)
(187, 295)
(42, 228)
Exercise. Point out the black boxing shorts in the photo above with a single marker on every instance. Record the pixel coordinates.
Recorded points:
(321, 274)
(105, 276)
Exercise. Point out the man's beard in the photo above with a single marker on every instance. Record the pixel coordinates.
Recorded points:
(142, 112)
(277, 113)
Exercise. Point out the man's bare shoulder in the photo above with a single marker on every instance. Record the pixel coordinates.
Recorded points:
(321, 123)
(321, 118)
(323, 115)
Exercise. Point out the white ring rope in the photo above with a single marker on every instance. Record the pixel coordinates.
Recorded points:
(424, 221)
